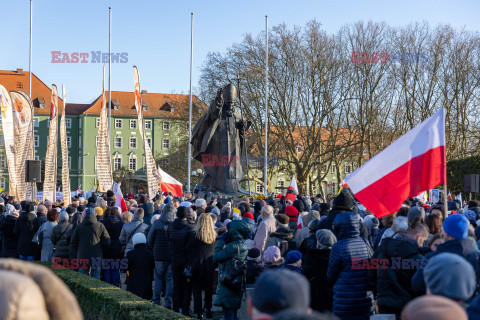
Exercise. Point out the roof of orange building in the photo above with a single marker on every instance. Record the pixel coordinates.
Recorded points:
(157, 105)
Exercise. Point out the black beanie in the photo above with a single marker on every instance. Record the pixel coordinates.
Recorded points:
(343, 202)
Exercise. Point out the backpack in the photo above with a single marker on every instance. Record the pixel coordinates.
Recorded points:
(233, 275)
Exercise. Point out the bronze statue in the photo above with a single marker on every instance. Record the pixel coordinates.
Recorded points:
(218, 142)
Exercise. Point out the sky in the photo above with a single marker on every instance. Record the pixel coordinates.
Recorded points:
(155, 34)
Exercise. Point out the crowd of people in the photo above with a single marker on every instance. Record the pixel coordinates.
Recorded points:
(304, 258)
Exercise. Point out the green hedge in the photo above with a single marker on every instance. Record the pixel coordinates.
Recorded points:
(100, 300)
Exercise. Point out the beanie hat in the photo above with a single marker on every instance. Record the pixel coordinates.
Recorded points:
(272, 254)
(456, 226)
(470, 215)
(29, 207)
(70, 210)
(371, 221)
(139, 237)
(325, 238)
(167, 200)
(433, 307)
(291, 212)
(98, 211)
(343, 202)
(185, 204)
(415, 212)
(293, 257)
(248, 215)
(253, 254)
(457, 284)
(282, 219)
(280, 289)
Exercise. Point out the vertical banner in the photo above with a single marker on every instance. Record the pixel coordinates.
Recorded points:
(7, 124)
(104, 168)
(64, 146)
(22, 124)
(154, 179)
(50, 181)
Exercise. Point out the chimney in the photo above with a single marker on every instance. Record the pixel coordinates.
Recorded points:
(19, 71)
(143, 92)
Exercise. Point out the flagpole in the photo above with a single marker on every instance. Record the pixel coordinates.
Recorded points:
(33, 184)
(109, 69)
(445, 201)
(190, 106)
(266, 108)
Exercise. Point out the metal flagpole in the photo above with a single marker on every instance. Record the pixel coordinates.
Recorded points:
(190, 107)
(30, 54)
(109, 69)
(265, 161)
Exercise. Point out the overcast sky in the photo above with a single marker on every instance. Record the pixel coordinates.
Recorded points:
(156, 34)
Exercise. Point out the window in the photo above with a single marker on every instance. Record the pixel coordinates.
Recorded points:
(333, 169)
(97, 122)
(334, 187)
(35, 122)
(69, 163)
(80, 140)
(259, 188)
(117, 143)
(68, 123)
(117, 162)
(149, 142)
(3, 183)
(37, 158)
(148, 124)
(281, 183)
(132, 162)
(166, 125)
(36, 141)
(133, 124)
(133, 143)
(348, 168)
(96, 141)
(118, 123)
(145, 107)
(166, 144)
(3, 161)
(69, 142)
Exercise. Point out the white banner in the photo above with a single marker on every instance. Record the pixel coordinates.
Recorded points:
(50, 181)
(64, 147)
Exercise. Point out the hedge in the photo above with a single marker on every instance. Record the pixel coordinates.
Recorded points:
(102, 301)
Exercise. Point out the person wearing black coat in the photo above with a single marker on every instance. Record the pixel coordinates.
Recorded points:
(254, 266)
(59, 236)
(140, 268)
(9, 239)
(113, 223)
(74, 222)
(25, 230)
(200, 248)
(179, 233)
(390, 280)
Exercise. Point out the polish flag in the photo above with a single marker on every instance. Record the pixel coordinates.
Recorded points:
(413, 163)
(294, 185)
(170, 184)
(119, 200)
(299, 222)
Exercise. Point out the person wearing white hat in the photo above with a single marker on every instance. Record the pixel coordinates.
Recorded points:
(140, 266)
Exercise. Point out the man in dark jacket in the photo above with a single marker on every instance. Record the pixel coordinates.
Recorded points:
(114, 225)
(178, 234)
(25, 230)
(9, 239)
(455, 228)
(89, 239)
(162, 253)
(140, 268)
(399, 257)
(283, 236)
(147, 207)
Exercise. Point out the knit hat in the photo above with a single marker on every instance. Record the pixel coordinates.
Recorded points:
(415, 212)
(248, 215)
(291, 197)
(280, 289)
(457, 284)
(98, 211)
(325, 238)
(470, 215)
(291, 212)
(253, 254)
(11, 211)
(70, 210)
(456, 226)
(343, 201)
(371, 221)
(272, 254)
(293, 257)
(167, 200)
(433, 307)
(139, 237)
(282, 219)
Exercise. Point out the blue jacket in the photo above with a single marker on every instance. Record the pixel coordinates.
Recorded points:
(351, 297)
(463, 247)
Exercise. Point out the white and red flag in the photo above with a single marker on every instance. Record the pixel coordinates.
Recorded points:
(413, 163)
(119, 200)
(170, 184)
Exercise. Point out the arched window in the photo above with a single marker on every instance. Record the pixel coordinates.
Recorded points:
(132, 162)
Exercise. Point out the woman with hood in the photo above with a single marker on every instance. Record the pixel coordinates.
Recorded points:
(9, 241)
(59, 235)
(230, 247)
(43, 235)
(351, 297)
(113, 223)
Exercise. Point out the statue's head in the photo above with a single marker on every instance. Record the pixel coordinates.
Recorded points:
(229, 94)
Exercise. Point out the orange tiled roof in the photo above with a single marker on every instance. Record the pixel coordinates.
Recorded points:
(158, 105)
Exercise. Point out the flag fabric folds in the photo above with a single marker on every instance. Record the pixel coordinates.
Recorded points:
(50, 181)
(413, 163)
(119, 200)
(170, 184)
(294, 185)
(63, 143)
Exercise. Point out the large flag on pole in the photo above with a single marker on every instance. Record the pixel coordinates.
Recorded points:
(8, 137)
(50, 181)
(63, 143)
(119, 200)
(153, 177)
(104, 167)
(413, 163)
(294, 185)
(170, 184)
